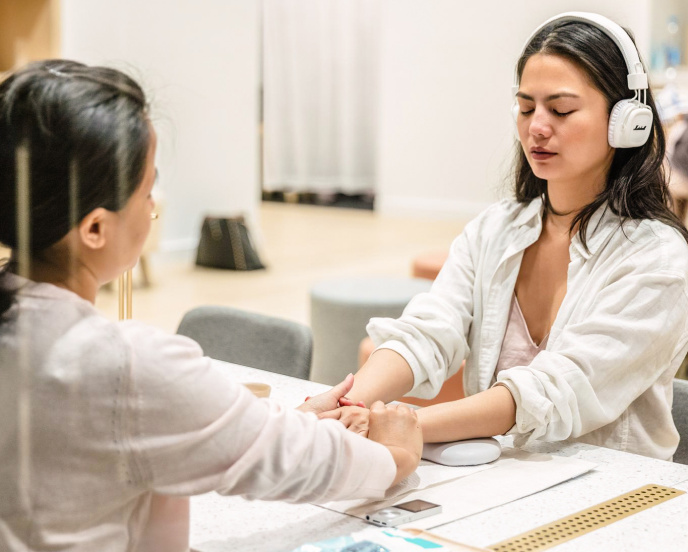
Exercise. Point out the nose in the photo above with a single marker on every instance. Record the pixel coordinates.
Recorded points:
(540, 126)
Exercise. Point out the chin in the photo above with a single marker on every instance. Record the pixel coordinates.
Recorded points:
(545, 172)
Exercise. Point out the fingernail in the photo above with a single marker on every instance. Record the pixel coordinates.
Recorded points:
(306, 399)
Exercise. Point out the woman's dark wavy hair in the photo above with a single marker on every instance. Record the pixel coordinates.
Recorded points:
(87, 135)
(636, 185)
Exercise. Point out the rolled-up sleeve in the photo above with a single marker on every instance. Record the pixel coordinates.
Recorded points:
(193, 430)
(599, 366)
(431, 334)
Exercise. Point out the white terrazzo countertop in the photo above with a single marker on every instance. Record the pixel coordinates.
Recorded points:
(222, 524)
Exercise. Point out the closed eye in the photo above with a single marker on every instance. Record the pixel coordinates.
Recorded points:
(557, 113)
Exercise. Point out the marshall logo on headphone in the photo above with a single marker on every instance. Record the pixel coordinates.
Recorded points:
(639, 127)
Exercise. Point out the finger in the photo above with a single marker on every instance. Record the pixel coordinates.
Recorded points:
(331, 415)
(410, 412)
(377, 406)
(346, 401)
(347, 421)
(403, 408)
(341, 389)
(361, 430)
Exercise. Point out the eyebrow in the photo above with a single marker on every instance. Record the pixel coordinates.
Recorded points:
(548, 98)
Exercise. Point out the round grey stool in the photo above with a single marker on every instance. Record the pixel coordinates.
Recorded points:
(340, 311)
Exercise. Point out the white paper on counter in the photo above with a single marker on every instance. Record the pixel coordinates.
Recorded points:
(515, 474)
(427, 474)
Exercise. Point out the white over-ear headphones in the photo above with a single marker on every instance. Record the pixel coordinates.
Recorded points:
(630, 121)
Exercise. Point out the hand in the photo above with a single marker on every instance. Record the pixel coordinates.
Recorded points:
(354, 418)
(329, 400)
(345, 401)
(397, 428)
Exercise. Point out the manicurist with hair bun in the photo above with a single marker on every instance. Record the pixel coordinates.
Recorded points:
(106, 428)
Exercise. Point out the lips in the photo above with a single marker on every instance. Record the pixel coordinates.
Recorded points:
(541, 154)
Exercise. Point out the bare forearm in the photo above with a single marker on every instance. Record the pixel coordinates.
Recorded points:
(492, 412)
(385, 377)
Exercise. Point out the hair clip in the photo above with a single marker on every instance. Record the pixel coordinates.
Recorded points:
(56, 72)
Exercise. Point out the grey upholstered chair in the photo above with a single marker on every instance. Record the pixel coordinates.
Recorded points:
(251, 339)
(680, 414)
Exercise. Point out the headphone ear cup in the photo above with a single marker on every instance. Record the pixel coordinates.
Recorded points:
(630, 124)
(615, 118)
(514, 114)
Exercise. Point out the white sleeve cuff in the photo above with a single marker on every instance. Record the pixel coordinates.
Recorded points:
(422, 386)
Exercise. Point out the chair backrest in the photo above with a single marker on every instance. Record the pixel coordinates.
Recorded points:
(251, 339)
(679, 411)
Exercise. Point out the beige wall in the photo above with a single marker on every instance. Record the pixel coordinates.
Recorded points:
(447, 67)
(199, 64)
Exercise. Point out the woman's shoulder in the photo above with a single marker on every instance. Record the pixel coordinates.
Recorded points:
(103, 345)
(505, 214)
(91, 338)
(641, 245)
(658, 243)
(153, 346)
(59, 319)
(131, 346)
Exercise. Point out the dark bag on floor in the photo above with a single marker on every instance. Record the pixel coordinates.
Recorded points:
(225, 243)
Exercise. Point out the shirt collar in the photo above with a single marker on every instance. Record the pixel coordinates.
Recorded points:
(531, 211)
(601, 225)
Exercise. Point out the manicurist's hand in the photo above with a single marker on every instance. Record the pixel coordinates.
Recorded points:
(354, 418)
(397, 428)
(329, 400)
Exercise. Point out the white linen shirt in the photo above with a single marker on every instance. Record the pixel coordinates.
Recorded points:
(605, 377)
(123, 421)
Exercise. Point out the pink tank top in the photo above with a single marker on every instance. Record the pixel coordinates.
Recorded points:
(518, 348)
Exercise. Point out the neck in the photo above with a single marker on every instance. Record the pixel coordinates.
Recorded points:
(76, 277)
(568, 198)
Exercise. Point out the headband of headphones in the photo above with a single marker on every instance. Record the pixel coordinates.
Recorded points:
(637, 78)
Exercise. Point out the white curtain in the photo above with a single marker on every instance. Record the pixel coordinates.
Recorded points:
(320, 94)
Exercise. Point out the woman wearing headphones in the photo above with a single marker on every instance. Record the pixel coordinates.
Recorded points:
(569, 302)
(106, 428)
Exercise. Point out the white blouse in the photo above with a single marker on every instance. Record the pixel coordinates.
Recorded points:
(619, 337)
(105, 427)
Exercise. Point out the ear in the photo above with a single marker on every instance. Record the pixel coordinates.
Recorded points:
(92, 228)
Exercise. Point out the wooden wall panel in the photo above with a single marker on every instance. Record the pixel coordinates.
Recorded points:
(29, 31)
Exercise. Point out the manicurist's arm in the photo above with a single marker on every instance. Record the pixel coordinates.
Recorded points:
(190, 429)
